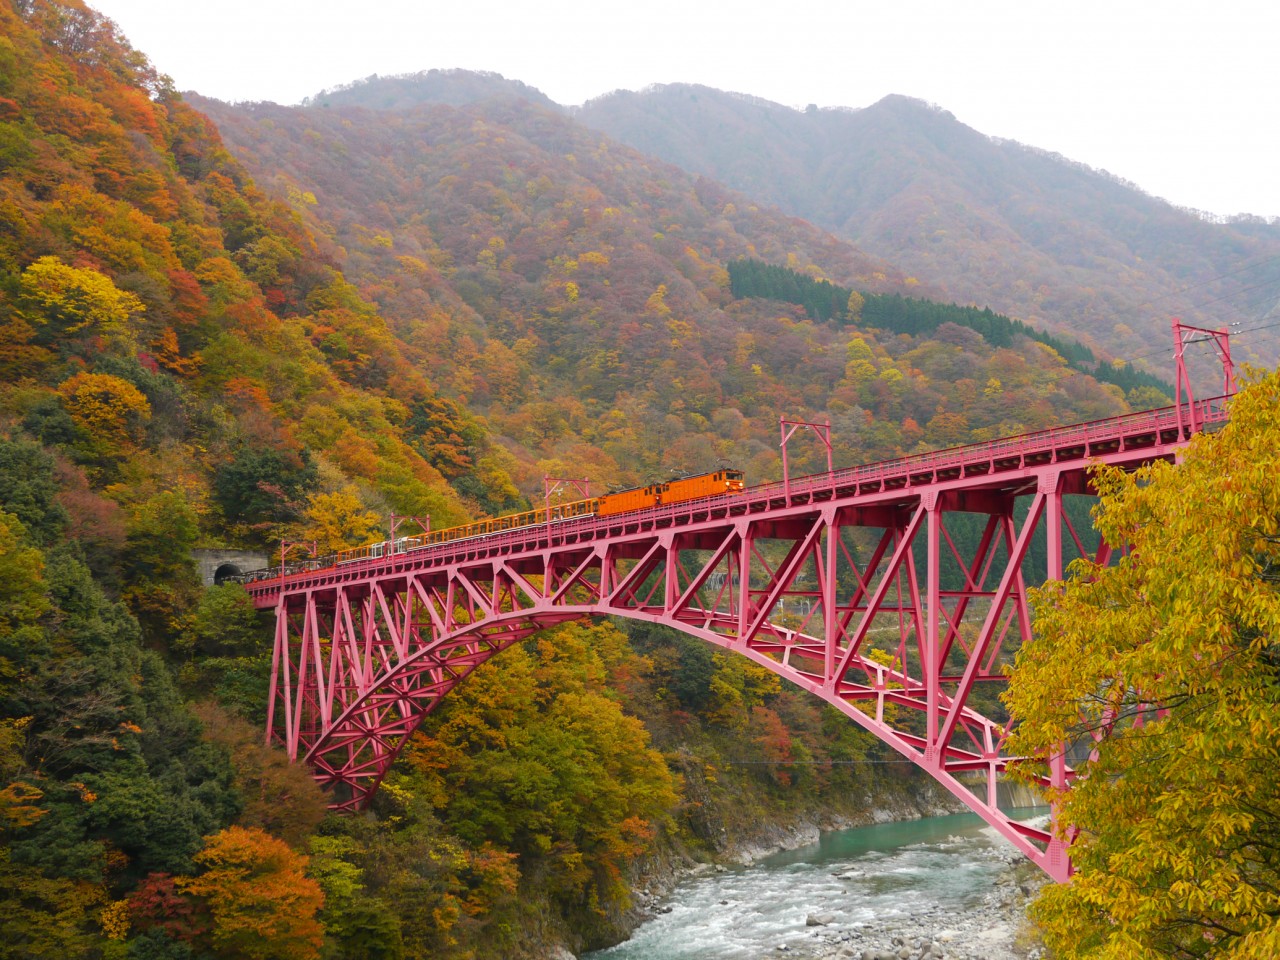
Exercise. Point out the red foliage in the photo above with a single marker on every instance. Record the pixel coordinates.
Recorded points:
(94, 520)
(157, 903)
(775, 742)
(188, 300)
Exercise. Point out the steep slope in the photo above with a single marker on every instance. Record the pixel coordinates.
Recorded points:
(604, 339)
(180, 365)
(135, 248)
(1028, 233)
(415, 312)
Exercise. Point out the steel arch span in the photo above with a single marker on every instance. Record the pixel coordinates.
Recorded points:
(889, 590)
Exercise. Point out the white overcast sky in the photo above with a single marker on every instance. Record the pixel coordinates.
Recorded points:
(1182, 98)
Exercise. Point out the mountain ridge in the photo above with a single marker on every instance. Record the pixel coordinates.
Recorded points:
(452, 87)
(993, 222)
(1026, 231)
(599, 273)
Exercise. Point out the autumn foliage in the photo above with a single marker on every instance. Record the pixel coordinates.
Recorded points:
(1165, 666)
(191, 357)
(260, 902)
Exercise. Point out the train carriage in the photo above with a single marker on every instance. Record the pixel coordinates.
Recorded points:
(703, 485)
(625, 501)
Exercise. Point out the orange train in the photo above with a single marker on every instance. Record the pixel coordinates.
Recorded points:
(717, 483)
(672, 491)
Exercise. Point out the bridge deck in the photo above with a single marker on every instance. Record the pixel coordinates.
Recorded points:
(990, 465)
(366, 648)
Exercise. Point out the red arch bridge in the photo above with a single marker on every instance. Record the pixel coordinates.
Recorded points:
(801, 576)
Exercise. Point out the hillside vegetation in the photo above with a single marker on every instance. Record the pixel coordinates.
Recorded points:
(594, 328)
(997, 224)
(333, 315)
(823, 300)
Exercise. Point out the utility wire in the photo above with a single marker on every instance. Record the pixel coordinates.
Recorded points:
(801, 763)
(1236, 293)
(1265, 326)
(1205, 283)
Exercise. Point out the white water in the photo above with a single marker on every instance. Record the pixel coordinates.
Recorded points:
(869, 874)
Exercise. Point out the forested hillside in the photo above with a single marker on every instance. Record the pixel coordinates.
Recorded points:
(894, 313)
(996, 223)
(600, 336)
(343, 314)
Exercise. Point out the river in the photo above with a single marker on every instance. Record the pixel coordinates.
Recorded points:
(872, 880)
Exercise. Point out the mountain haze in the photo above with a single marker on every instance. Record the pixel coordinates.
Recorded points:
(455, 88)
(1000, 224)
(589, 282)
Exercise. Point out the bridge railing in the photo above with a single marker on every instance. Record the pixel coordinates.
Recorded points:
(1210, 411)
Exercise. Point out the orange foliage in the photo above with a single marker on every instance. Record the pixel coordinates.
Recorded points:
(775, 742)
(357, 455)
(18, 804)
(252, 317)
(105, 406)
(188, 300)
(257, 414)
(261, 903)
(169, 355)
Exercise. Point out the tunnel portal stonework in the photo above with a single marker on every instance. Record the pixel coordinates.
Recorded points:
(217, 565)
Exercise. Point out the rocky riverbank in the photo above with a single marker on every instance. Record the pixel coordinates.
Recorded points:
(936, 889)
(853, 911)
(658, 874)
(996, 928)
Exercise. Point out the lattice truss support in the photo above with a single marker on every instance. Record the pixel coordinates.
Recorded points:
(877, 608)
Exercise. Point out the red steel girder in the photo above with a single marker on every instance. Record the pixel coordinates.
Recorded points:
(363, 651)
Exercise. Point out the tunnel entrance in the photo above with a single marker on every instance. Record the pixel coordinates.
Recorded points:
(217, 565)
(225, 572)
